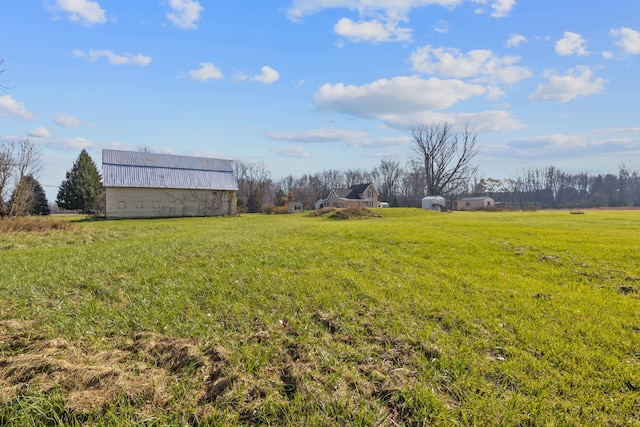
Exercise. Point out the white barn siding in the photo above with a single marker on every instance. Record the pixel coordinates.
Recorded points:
(123, 202)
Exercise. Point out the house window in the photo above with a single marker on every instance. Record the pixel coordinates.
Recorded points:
(122, 205)
(370, 194)
(138, 205)
(156, 205)
(467, 204)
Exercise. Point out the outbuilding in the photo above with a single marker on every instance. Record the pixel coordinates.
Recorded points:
(149, 185)
(474, 203)
(434, 203)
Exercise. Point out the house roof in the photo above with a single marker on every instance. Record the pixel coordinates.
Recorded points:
(357, 190)
(150, 170)
(475, 198)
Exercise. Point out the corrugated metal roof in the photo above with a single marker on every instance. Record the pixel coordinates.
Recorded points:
(148, 170)
(133, 158)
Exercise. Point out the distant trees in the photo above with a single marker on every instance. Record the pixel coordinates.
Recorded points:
(20, 163)
(254, 183)
(82, 187)
(446, 156)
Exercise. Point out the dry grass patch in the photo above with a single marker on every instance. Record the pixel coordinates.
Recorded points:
(32, 224)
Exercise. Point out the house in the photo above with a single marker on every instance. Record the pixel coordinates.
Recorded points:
(434, 203)
(356, 196)
(474, 203)
(148, 185)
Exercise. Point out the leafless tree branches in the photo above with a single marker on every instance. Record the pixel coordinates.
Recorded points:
(447, 156)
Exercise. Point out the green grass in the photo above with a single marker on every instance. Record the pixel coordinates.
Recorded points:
(414, 318)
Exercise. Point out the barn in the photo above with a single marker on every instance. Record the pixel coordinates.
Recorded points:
(149, 185)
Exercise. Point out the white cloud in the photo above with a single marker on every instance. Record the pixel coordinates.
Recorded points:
(482, 64)
(502, 8)
(572, 44)
(39, 132)
(404, 101)
(441, 27)
(84, 12)
(400, 94)
(301, 8)
(268, 76)
(516, 40)
(628, 39)
(318, 135)
(342, 136)
(607, 54)
(558, 146)
(372, 31)
(577, 82)
(295, 151)
(11, 107)
(207, 71)
(67, 121)
(184, 13)
(617, 131)
(114, 59)
(482, 121)
(69, 144)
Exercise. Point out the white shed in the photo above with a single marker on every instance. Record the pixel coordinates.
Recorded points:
(435, 203)
(474, 203)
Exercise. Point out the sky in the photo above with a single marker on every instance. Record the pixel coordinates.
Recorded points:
(310, 85)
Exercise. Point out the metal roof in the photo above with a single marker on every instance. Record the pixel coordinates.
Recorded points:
(149, 170)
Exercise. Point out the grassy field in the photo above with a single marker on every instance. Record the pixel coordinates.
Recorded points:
(414, 318)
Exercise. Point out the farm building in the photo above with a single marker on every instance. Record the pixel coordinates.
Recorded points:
(435, 203)
(474, 203)
(147, 185)
(356, 196)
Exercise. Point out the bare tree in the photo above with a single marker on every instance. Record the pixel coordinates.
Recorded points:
(446, 156)
(390, 172)
(28, 162)
(6, 170)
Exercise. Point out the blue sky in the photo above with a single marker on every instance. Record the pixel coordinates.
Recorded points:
(307, 85)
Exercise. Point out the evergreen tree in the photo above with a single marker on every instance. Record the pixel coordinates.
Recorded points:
(82, 186)
(28, 198)
(41, 204)
(254, 204)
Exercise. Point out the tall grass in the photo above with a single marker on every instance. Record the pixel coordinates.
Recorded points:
(415, 318)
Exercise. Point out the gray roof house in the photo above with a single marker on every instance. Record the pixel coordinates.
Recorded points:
(356, 196)
(149, 185)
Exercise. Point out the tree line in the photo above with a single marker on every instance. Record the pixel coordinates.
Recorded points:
(404, 185)
(22, 194)
(443, 165)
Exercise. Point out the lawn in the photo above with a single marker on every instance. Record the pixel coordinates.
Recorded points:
(412, 318)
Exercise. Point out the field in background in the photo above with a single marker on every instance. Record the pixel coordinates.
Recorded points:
(413, 318)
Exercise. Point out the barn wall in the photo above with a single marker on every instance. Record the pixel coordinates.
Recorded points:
(166, 203)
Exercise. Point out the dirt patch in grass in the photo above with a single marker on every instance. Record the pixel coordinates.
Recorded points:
(155, 374)
(141, 371)
(32, 224)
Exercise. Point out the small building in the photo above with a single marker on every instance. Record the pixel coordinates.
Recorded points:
(434, 203)
(295, 207)
(148, 185)
(356, 196)
(474, 203)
